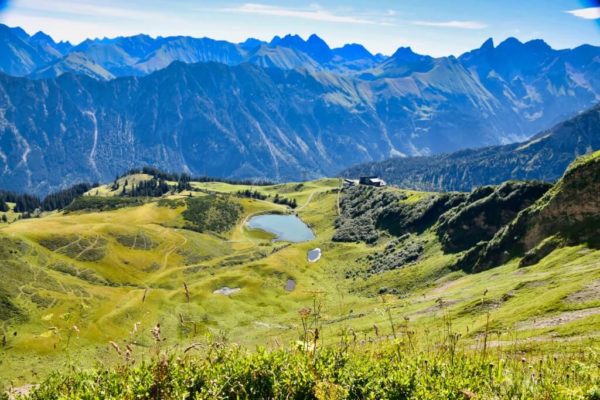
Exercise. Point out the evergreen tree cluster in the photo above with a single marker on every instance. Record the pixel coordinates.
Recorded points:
(287, 202)
(247, 182)
(158, 174)
(252, 194)
(23, 202)
(3, 206)
(184, 183)
(160, 178)
(28, 204)
(175, 177)
(150, 188)
(59, 200)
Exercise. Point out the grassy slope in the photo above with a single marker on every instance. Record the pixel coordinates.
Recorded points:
(146, 284)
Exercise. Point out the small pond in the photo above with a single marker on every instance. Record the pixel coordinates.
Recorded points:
(290, 285)
(314, 255)
(288, 228)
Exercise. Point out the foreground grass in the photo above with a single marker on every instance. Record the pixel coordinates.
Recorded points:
(350, 370)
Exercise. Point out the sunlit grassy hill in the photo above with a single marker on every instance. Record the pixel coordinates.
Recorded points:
(75, 280)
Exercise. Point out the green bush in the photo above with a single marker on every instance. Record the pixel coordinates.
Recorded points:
(96, 203)
(214, 213)
(485, 212)
(397, 254)
(365, 210)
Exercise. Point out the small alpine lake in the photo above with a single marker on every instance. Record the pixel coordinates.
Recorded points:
(286, 228)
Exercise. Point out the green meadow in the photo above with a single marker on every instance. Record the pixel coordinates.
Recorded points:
(84, 288)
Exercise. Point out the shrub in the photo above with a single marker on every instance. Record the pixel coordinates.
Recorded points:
(95, 203)
(213, 213)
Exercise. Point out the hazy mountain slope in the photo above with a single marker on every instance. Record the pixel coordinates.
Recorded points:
(22, 54)
(190, 50)
(206, 118)
(281, 57)
(544, 157)
(77, 63)
(231, 121)
(420, 105)
(535, 79)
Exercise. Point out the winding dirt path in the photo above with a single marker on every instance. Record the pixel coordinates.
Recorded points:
(174, 248)
(307, 202)
(90, 247)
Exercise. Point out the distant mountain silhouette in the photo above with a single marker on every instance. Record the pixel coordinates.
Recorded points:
(287, 109)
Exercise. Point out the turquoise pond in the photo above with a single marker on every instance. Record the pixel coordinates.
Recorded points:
(286, 228)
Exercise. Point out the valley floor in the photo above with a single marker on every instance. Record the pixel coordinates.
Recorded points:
(73, 283)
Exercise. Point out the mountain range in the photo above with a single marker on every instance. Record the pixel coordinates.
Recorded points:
(544, 157)
(289, 109)
(39, 56)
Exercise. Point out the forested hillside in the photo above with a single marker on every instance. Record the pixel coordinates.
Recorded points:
(543, 157)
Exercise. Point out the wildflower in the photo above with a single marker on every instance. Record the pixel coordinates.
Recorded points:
(304, 312)
(187, 292)
(116, 347)
(135, 327)
(128, 352)
(156, 333)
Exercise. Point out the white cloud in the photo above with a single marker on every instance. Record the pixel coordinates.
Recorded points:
(452, 24)
(586, 13)
(80, 8)
(63, 29)
(314, 13)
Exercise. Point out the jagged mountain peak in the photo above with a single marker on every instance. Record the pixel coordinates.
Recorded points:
(353, 51)
(288, 40)
(538, 44)
(315, 47)
(251, 44)
(17, 31)
(407, 54)
(42, 37)
(510, 42)
(487, 45)
(316, 40)
(513, 44)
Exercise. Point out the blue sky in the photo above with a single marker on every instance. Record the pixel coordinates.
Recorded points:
(436, 27)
